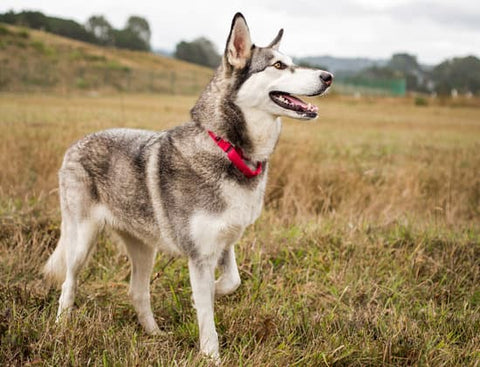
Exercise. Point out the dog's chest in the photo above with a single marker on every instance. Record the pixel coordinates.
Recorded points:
(212, 232)
(243, 205)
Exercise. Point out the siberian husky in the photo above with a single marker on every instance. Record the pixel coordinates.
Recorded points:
(191, 190)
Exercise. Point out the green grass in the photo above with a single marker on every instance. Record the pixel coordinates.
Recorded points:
(367, 253)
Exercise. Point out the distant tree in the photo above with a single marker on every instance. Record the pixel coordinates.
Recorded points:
(405, 63)
(8, 17)
(141, 29)
(125, 38)
(37, 20)
(31, 19)
(101, 29)
(408, 66)
(136, 34)
(69, 28)
(462, 74)
(200, 51)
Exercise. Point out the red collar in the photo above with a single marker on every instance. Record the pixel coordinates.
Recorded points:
(236, 156)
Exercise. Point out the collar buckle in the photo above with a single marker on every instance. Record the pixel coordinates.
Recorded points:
(235, 156)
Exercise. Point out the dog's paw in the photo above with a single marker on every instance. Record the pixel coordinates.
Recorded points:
(213, 360)
(209, 348)
(225, 286)
(151, 328)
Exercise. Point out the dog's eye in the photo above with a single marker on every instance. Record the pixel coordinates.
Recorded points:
(279, 65)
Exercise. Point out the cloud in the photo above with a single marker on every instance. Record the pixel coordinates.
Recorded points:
(464, 15)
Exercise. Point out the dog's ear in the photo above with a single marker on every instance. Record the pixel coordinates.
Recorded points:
(275, 44)
(239, 44)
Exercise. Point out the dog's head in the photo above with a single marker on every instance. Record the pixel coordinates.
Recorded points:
(268, 80)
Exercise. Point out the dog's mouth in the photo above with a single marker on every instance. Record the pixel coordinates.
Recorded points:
(292, 103)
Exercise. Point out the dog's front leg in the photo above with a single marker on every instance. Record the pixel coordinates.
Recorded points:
(202, 279)
(229, 281)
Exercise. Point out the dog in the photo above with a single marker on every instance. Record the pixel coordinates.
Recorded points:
(191, 190)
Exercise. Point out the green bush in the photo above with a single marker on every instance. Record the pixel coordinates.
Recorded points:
(23, 34)
(4, 31)
(421, 101)
(81, 83)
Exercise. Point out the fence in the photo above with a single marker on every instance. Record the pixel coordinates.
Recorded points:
(371, 86)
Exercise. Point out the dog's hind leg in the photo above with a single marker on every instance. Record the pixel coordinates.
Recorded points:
(202, 279)
(79, 237)
(142, 259)
(229, 280)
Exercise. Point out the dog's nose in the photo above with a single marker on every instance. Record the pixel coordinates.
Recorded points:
(326, 77)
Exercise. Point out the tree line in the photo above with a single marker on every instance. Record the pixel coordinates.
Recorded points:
(460, 73)
(200, 51)
(97, 30)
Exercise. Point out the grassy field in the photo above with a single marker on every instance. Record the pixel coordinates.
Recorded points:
(367, 253)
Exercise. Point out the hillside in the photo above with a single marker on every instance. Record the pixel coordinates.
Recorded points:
(32, 60)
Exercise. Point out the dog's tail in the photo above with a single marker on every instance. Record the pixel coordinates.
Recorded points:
(55, 269)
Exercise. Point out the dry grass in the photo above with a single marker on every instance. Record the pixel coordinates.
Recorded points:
(381, 161)
(367, 253)
(36, 61)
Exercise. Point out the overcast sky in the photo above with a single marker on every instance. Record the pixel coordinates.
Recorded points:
(433, 30)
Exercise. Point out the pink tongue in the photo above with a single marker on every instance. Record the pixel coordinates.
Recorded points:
(300, 103)
(295, 101)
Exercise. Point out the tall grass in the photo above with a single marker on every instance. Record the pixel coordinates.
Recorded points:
(367, 252)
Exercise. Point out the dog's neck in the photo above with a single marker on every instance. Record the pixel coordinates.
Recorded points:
(263, 131)
(252, 130)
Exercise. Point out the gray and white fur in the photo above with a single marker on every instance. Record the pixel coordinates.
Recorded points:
(176, 190)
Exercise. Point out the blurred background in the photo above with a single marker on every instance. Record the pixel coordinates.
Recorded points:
(374, 47)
